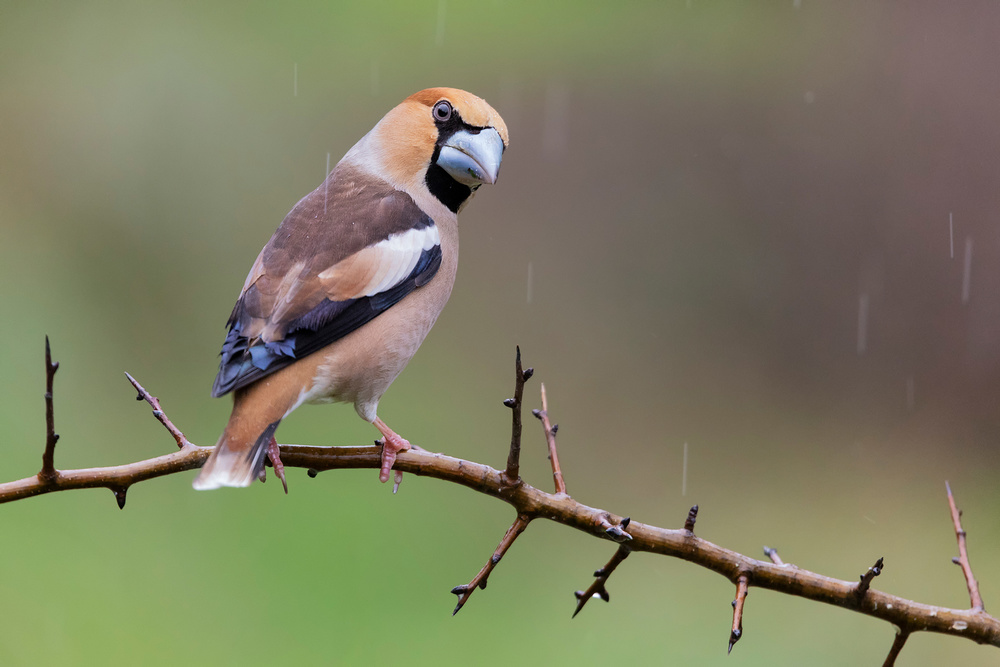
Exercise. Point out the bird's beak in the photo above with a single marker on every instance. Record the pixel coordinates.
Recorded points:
(472, 159)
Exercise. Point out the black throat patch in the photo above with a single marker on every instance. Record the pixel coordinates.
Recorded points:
(449, 192)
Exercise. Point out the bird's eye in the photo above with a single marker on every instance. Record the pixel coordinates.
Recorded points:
(442, 111)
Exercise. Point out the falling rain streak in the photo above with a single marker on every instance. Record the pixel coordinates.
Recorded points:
(862, 324)
(967, 271)
(951, 234)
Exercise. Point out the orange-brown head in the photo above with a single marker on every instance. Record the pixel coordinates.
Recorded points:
(444, 140)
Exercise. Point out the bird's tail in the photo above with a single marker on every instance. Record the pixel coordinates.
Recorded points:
(233, 465)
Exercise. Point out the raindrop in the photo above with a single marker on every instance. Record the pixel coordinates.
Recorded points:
(951, 234)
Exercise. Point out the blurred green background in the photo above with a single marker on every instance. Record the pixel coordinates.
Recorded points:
(721, 224)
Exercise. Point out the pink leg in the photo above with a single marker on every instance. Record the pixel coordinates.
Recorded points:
(392, 445)
(274, 454)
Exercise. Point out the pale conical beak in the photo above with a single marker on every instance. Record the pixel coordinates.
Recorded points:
(472, 159)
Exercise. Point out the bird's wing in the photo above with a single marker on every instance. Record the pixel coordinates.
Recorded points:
(347, 252)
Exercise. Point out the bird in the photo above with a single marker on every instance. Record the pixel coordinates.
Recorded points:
(355, 276)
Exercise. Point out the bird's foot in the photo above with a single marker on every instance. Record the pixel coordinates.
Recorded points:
(274, 454)
(392, 444)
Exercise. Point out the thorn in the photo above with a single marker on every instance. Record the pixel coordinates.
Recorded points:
(691, 518)
(537, 413)
(120, 497)
(956, 560)
(579, 594)
(312, 472)
(528, 372)
(733, 638)
(617, 534)
(555, 429)
(625, 522)
(55, 437)
(510, 402)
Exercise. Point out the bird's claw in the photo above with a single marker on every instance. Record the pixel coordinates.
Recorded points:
(391, 445)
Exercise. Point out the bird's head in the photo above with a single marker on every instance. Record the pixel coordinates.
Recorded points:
(444, 140)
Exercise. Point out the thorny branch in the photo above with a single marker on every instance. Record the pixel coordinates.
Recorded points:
(975, 598)
(48, 472)
(514, 458)
(531, 503)
(465, 591)
(773, 555)
(897, 646)
(550, 439)
(866, 579)
(742, 590)
(597, 589)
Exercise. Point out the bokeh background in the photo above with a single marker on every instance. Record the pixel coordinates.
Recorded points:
(767, 230)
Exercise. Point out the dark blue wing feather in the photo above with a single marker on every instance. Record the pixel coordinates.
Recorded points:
(329, 321)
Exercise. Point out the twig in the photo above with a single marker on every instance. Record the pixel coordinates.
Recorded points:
(963, 554)
(465, 591)
(897, 646)
(48, 473)
(528, 501)
(514, 458)
(742, 590)
(978, 626)
(158, 412)
(550, 438)
(773, 555)
(691, 518)
(598, 589)
(866, 579)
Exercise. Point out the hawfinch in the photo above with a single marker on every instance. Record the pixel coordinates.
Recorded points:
(347, 288)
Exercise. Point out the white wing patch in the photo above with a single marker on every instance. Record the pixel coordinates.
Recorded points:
(379, 267)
